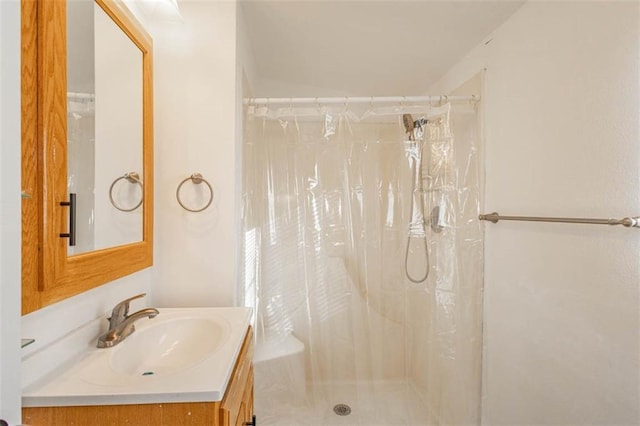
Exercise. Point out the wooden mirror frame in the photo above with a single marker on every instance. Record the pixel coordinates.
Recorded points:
(48, 273)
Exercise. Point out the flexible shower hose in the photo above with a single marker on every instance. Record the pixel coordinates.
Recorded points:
(417, 167)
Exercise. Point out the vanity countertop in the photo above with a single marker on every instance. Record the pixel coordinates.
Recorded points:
(101, 377)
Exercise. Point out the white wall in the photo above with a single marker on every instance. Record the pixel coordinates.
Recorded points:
(561, 301)
(245, 65)
(195, 131)
(10, 211)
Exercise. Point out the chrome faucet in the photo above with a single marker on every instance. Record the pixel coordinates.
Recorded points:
(121, 324)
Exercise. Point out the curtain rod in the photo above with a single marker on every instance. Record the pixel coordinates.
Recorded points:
(361, 99)
(78, 95)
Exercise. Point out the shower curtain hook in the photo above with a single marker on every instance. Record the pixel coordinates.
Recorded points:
(473, 102)
(401, 106)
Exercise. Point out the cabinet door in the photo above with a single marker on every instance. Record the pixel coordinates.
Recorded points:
(246, 406)
(165, 414)
(51, 270)
(241, 419)
(239, 393)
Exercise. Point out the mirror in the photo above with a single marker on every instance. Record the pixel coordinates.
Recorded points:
(87, 147)
(104, 129)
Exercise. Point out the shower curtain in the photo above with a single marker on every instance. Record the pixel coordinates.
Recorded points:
(331, 195)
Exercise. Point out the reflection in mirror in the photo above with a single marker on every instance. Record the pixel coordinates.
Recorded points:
(105, 128)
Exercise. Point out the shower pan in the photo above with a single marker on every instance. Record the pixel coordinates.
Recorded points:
(362, 259)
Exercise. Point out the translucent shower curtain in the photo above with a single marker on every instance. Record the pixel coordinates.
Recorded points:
(331, 197)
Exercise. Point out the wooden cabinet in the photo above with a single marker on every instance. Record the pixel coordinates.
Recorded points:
(50, 272)
(235, 409)
(237, 404)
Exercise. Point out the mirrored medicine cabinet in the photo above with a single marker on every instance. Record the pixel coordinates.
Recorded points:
(87, 147)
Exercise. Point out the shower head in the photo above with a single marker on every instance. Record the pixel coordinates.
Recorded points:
(409, 124)
(407, 119)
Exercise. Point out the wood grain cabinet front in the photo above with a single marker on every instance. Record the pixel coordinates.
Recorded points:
(235, 409)
(237, 404)
(58, 165)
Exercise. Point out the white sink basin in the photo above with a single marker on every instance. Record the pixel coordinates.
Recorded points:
(168, 346)
(181, 355)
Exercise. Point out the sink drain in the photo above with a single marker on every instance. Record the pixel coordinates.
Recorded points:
(342, 409)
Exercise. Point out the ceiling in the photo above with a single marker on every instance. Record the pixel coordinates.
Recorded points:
(363, 48)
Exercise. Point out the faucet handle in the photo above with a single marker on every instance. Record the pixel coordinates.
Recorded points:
(121, 310)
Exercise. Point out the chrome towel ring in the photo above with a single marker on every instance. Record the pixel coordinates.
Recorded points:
(197, 179)
(132, 177)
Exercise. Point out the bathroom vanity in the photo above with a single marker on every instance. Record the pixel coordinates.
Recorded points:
(203, 375)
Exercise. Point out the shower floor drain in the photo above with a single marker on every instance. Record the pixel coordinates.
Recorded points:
(342, 409)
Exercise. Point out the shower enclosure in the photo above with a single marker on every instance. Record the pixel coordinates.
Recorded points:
(362, 256)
